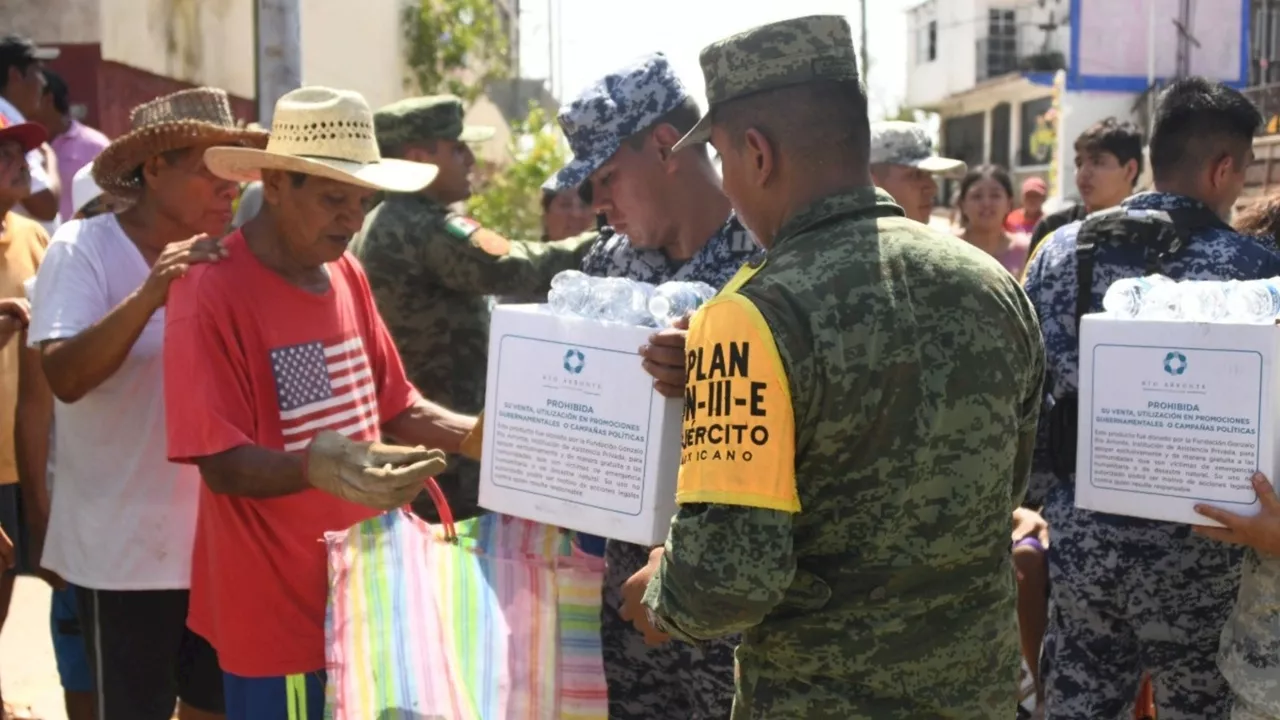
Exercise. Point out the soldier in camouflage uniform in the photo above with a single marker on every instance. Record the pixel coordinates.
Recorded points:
(860, 413)
(431, 270)
(1132, 595)
(673, 222)
(904, 165)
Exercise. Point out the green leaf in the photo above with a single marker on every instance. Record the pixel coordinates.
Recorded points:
(510, 201)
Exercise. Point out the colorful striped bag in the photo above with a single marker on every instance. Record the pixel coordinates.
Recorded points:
(494, 619)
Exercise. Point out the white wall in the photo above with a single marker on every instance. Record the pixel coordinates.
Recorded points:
(53, 21)
(354, 47)
(961, 24)
(204, 42)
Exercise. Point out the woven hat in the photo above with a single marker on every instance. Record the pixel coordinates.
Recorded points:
(183, 119)
(327, 133)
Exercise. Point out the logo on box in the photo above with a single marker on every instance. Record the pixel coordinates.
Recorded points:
(1175, 363)
(574, 361)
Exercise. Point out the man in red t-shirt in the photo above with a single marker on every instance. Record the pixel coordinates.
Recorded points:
(280, 378)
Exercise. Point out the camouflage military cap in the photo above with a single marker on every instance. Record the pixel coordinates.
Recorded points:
(617, 106)
(431, 117)
(906, 143)
(781, 54)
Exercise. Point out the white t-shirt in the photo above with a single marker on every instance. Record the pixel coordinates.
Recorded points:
(123, 517)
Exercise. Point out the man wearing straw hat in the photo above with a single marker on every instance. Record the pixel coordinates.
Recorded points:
(281, 377)
(121, 525)
(858, 534)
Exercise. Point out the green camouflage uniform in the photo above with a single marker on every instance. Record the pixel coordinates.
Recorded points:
(431, 272)
(913, 364)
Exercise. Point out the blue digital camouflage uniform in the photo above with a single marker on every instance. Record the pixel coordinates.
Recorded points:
(675, 681)
(860, 413)
(1129, 594)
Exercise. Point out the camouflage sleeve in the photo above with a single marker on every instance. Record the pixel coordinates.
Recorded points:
(1041, 476)
(471, 259)
(724, 569)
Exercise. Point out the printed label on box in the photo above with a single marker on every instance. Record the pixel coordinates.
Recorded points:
(570, 431)
(1185, 426)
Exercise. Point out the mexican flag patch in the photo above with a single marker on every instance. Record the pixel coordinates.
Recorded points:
(461, 227)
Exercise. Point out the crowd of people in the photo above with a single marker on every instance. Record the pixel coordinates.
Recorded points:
(240, 340)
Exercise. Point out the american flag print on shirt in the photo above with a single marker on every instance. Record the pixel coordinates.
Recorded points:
(323, 387)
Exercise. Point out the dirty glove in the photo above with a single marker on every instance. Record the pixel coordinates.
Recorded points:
(375, 475)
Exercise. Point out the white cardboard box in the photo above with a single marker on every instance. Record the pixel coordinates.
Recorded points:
(1173, 414)
(574, 433)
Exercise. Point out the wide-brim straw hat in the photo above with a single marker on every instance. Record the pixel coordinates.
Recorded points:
(327, 133)
(183, 119)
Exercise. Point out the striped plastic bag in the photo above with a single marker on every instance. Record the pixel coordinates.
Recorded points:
(492, 619)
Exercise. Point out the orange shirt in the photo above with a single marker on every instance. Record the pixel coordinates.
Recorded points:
(23, 243)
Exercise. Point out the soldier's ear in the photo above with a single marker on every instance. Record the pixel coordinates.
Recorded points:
(761, 156)
(665, 137)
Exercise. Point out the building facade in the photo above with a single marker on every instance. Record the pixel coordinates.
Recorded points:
(119, 53)
(987, 68)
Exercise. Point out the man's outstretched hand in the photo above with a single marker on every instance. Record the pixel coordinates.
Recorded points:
(372, 474)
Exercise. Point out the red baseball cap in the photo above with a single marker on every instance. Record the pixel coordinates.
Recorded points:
(30, 135)
(1034, 185)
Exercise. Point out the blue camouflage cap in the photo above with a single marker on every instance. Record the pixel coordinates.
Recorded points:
(617, 106)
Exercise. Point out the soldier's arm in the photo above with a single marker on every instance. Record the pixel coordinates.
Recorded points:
(471, 259)
(725, 568)
(1029, 431)
(729, 557)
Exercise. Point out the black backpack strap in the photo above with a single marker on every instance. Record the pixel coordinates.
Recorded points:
(1086, 248)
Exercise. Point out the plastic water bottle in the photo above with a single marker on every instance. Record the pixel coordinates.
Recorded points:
(621, 300)
(1204, 300)
(1255, 301)
(570, 291)
(1125, 297)
(673, 300)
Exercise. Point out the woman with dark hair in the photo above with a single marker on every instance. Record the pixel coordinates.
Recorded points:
(564, 215)
(986, 199)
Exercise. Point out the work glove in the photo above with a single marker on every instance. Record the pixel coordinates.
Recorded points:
(371, 474)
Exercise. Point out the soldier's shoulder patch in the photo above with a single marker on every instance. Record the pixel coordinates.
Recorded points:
(461, 227)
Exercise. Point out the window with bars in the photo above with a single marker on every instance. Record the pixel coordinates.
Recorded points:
(1002, 42)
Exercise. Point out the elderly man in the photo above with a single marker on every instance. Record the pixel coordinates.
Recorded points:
(857, 533)
(121, 524)
(904, 165)
(431, 269)
(672, 222)
(298, 377)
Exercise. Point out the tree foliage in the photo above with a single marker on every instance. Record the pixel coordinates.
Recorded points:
(510, 198)
(455, 46)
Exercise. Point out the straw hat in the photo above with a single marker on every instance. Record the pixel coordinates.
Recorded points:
(327, 133)
(183, 119)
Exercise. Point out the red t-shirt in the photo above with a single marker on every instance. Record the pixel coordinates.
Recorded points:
(252, 360)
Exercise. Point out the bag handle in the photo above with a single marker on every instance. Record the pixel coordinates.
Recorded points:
(442, 509)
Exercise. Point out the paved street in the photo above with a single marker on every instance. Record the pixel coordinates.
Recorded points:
(27, 669)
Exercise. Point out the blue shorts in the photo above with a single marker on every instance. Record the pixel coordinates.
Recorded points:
(289, 697)
(68, 642)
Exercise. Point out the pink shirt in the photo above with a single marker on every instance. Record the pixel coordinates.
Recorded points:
(75, 148)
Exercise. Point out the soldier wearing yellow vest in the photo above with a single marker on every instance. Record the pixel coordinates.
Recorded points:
(859, 417)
